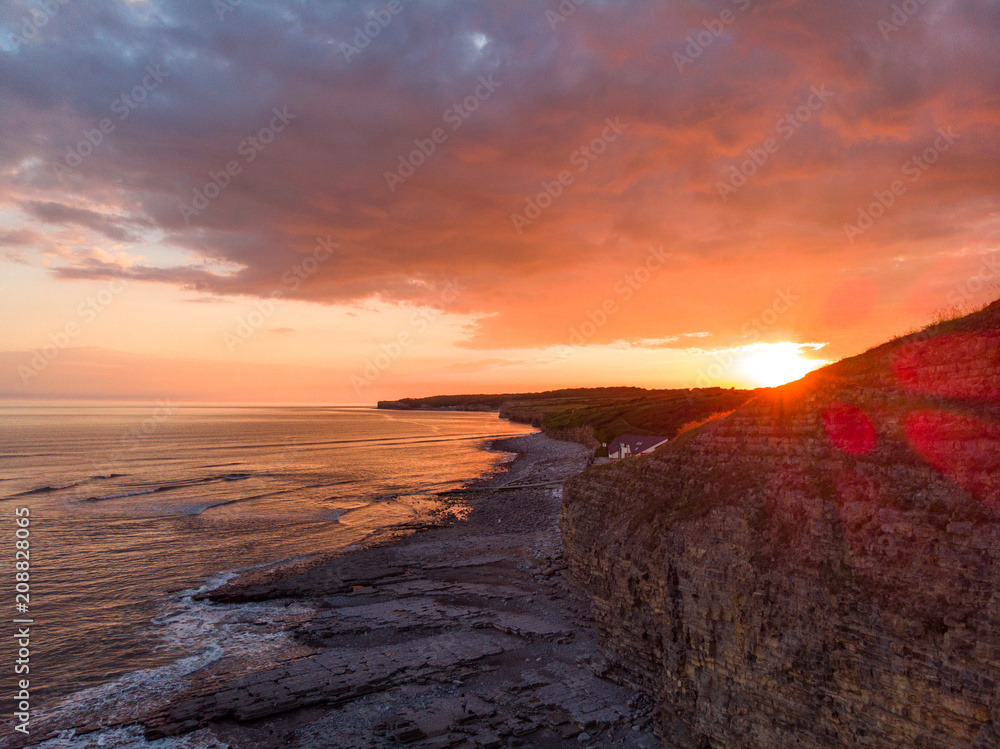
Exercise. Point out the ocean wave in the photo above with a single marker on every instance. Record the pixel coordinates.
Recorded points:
(28, 455)
(43, 490)
(265, 495)
(237, 500)
(120, 495)
(213, 631)
(362, 442)
(200, 481)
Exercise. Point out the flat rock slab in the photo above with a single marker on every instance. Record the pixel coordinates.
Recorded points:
(328, 677)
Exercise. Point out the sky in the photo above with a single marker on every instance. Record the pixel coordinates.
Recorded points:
(341, 202)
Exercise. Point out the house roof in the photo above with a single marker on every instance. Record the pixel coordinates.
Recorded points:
(636, 443)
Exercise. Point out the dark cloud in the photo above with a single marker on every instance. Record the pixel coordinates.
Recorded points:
(111, 226)
(347, 122)
(19, 238)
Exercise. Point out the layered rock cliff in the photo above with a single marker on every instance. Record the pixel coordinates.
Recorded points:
(822, 567)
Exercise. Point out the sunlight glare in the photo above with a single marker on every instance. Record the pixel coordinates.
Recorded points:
(774, 364)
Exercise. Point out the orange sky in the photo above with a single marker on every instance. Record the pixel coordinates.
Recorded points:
(472, 197)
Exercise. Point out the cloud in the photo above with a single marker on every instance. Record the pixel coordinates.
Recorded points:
(323, 174)
(111, 226)
(19, 238)
(481, 365)
(667, 341)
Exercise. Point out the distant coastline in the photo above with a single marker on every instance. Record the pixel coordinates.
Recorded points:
(593, 416)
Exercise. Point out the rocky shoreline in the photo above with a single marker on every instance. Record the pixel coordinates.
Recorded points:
(465, 635)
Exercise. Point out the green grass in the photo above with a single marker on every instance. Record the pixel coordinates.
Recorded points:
(610, 412)
(661, 412)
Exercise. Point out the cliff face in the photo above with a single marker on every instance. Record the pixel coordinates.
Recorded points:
(524, 414)
(822, 567)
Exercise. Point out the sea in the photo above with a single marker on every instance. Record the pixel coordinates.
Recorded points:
(135, 508)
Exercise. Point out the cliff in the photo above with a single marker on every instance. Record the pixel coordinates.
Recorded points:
(493, 402)
(822, 567)
(591, 416)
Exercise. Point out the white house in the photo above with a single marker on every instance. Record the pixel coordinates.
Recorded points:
(629, 445)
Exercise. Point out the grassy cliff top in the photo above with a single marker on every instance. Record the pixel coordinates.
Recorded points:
(609, 412)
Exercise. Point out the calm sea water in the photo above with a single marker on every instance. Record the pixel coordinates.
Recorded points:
(133, 508)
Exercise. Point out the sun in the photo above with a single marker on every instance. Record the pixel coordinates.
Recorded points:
(773, 364)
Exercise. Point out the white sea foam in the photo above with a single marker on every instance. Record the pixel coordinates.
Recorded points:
(132, 736)
(206, 632)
